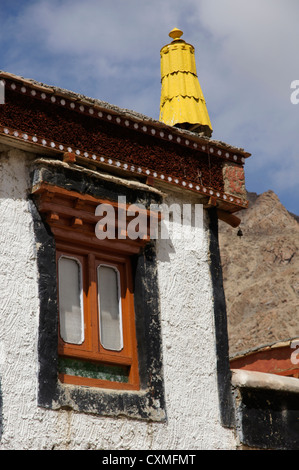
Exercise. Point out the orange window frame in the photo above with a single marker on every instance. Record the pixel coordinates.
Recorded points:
(91, 348)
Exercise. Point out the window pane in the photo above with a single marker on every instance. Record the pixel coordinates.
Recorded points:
(109, 308)
(70, 304)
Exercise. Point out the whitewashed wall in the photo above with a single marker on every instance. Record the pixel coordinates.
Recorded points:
(188, 344)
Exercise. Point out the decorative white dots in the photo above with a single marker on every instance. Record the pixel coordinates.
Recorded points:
(13, 86)
(34, 139)
(144, 128)
(23, 89)
(44, 142)
(184, 183)
(235, 158)
(25, 136)
(52, 144)
(224, 196)
(243, 160)
(190, 185)
(33, 92)
(118, 120)
(162, 177)
(81, 108)
(118, 163)
(125, 166)
(219, 152)
(109, 117)
(155, 174)
(136, 125)
(187, 142)
(197, 187)
(70, 150)
(139, 170)
(16, 134)
(203, 147)
(161, 134)
(6, 131)
(153, 131)
(178, 139)
(61, 147)
(127, 123)
(169, 178)
(211, 150)
(211, 192)
(218, 194)
(148, 172)
(204, 190)
(43, 96)
(227, 155)
(110, 161)
(62, 102)
(53, 99)
(132, 168)
(85, 154)
(176, 181)
(102, 159)
(100, 114)
(72, 105)
(94, 157)
(195, 145)
(170, 137)
(91, 111)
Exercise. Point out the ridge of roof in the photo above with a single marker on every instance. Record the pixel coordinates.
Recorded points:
(138, 117)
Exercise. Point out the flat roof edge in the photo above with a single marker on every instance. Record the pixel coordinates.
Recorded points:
(261, 380)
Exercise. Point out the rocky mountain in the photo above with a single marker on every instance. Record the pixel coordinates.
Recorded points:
(261, 274)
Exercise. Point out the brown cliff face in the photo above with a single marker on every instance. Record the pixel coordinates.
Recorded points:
(261, 274)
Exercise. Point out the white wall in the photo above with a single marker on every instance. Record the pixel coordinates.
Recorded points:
(188, 344)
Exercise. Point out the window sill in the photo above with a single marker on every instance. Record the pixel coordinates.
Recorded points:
(134, 404)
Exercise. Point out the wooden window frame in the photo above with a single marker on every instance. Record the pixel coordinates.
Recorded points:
(91, 348)
(72, 219)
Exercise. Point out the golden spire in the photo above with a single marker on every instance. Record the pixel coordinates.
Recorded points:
(182, 102)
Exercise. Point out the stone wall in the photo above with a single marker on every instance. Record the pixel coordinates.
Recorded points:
(188, 342)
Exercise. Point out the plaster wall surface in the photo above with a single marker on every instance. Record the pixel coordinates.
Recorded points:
(189, 358)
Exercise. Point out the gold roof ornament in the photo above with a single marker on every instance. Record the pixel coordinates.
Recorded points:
(182, 102)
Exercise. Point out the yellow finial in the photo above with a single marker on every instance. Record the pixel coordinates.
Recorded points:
(182, 102)
(175, 33)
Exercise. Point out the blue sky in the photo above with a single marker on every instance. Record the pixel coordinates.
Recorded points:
(246, 55)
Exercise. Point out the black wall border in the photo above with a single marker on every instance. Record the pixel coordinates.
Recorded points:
(226, 401)
(149, 402)
(268, 419)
